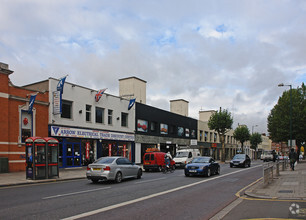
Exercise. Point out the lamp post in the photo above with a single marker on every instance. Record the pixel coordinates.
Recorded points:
(280, 85)
(253, 127)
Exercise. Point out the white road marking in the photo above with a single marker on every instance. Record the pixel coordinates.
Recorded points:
(146, 181)
(74, 193)
(86, 214)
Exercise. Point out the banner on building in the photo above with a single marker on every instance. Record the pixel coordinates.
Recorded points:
(60, 85)
(132, 102)
(57, 103)
(99, 94)
(31, 102)
(92, 134)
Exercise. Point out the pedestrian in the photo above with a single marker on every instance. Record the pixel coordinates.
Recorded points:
(292, 158)
(274, 155)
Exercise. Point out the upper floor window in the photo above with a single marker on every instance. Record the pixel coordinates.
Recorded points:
(99, 115)
(124, 119)
(88, 113)
(201, 135)
(66, 109)
(215, 137)
(110, 117)
(206, 136)
(153, 126)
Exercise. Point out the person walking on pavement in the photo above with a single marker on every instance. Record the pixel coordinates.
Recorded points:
(292, 158)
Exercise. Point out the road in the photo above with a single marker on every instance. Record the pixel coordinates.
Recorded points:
(171, 196)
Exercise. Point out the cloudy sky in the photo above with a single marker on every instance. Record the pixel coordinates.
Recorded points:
(229, 54)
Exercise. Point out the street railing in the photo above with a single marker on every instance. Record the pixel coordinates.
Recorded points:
(268, 170)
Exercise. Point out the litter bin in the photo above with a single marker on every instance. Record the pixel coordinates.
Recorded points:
(4, 165)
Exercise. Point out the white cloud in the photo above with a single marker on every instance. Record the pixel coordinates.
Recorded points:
(210, 53)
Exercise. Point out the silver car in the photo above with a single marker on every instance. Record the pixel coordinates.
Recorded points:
(112, 168)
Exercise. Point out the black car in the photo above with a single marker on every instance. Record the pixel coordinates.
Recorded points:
(202, 166)
(240, 160)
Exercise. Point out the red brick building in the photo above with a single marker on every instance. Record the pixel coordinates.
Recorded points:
(16, 123)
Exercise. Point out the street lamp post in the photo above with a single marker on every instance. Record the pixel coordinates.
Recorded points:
(253, 127)
(280, 85)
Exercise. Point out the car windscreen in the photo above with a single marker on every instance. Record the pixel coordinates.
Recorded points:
(201, 160)
(181, 154)
(239, 156)
(104, 160)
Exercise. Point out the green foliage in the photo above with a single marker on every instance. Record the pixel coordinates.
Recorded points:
(255, 139)
(220, 121)
(242, 134)
(279, 117)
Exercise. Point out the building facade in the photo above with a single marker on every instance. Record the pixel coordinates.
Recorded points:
(17, 123)
(88, 128)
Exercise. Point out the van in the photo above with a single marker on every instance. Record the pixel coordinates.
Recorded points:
(154, 161)
(185, 156)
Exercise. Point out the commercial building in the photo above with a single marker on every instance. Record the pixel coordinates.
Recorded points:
(209, 140)
(90, 124)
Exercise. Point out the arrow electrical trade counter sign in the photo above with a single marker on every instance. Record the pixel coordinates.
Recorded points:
(92, 134)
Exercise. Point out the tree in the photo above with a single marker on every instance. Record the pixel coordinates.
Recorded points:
(221, 122)
(279, 117)
(255, 139)
(242, 134)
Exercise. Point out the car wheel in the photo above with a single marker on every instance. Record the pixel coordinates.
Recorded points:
(208, 172)
(245, 164)
(218, 170)
(187, 174)
(94, 181)
(231, 165)
(139, 174)
(160, 169)
(249, 164)
(118, 177)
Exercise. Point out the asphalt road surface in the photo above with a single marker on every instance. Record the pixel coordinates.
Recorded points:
(155, 195)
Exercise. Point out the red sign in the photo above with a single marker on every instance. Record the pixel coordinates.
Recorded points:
(214, 145)
(25, 121)
(110, 150)
(87, 150)
(124, 150)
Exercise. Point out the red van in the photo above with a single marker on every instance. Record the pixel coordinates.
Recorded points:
(154, 161)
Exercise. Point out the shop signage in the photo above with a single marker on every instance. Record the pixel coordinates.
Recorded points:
(93, 134)
(57, 103)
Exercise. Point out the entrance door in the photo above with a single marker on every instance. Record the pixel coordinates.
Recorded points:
(73, 154)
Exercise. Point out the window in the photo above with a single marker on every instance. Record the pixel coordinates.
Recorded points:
(153, 126)
(201, 135)
(88, 113)
(124, 119)
(66, 109)
(172, 129)
(110, 117)
(215, 137)
(99, 115)
(206, 136)
(142, 125)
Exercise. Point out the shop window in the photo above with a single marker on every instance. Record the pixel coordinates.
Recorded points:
(99, 115)
(66, 109)
(124, 119)
(88, 113)
(26, 126)
(110, 117)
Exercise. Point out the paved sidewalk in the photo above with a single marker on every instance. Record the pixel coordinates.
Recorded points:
(289, 185)
(19, 178)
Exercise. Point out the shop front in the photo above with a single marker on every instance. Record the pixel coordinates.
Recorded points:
(79, 147)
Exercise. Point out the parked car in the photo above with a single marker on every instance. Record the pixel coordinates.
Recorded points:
(242, 160)
(112, 168)
(155, 161)
(202, 166)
